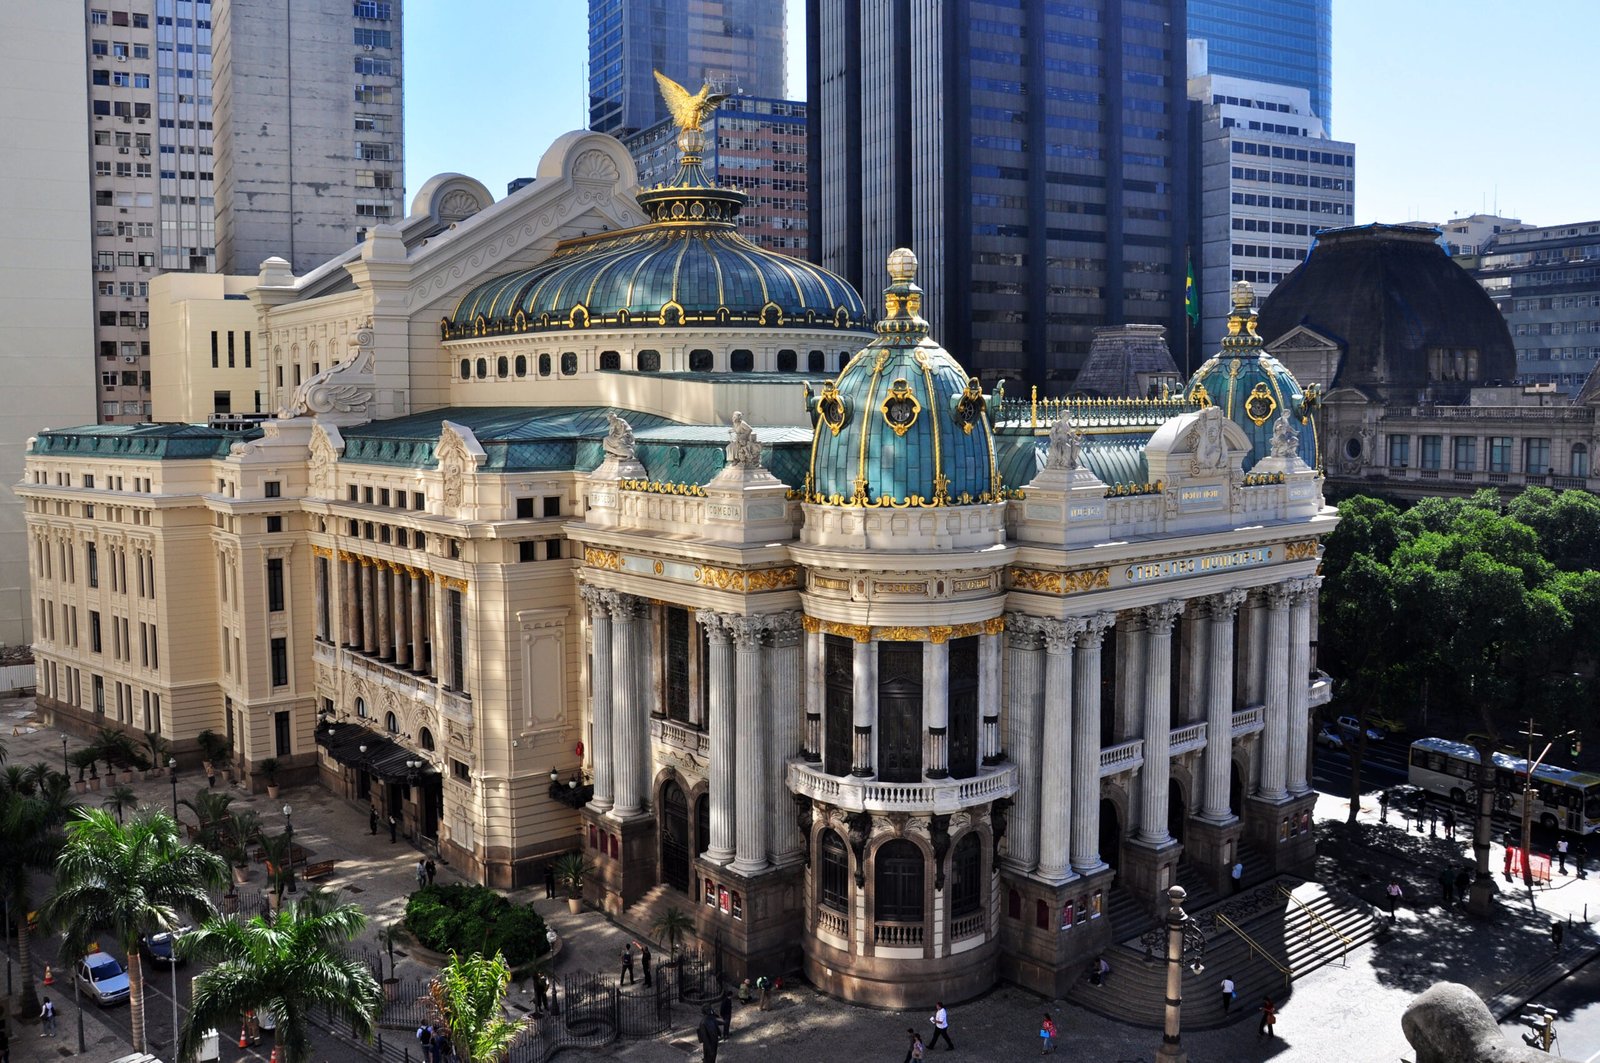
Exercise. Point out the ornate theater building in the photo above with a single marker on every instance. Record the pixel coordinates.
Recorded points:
(585, 523)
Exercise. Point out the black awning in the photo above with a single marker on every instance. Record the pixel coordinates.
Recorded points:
(384, 757)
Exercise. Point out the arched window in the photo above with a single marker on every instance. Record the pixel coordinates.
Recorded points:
(466, 368)
(835, 872)
(1580, 460)
(425, 737)
(610, 360)
(502, 367)
(522, 365)
(1041, 915)
(391, 723)
(649, 361)
(897, 883)
(788, 361)
(1014, 904)
(700, 360)
(966, 875)
(483, 368)
(569, 363)
(361, 709)
(741, 361)
(814, 362)
(544, 365)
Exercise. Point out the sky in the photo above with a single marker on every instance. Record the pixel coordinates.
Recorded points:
(1455, 106)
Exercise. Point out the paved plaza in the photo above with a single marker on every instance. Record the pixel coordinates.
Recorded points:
(1342, 1012)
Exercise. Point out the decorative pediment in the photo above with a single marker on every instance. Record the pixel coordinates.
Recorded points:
(459, 453)
(327, 447)
(1301, 338)
(1200, 445)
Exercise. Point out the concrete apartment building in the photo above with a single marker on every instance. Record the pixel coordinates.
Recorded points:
(753, 144)
(1269, 180)
(46, 276)
(1546, 283)
(176, 178)
(1473, 234)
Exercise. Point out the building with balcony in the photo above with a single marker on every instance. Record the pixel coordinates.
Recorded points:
(1546, 283)
(884, 678)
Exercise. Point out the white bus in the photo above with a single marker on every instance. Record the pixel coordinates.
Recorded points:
(1561, 797)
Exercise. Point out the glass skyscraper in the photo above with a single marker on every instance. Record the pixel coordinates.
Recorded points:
(1284, 42)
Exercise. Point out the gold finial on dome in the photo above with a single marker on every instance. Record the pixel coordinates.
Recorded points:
(690, 112)
(1244, 296)
(902, 265)
(1242, 321)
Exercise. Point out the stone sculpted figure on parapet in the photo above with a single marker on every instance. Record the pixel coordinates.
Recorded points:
(744, 449)
(1285, 440)
(1066, 446)
(619, 440)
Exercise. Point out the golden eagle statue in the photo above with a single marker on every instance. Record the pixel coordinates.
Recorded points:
(690, 112)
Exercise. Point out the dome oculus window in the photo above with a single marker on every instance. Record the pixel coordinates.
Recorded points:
(610, 360)
(483, 368)
(649, 361)
(569, 363)
(741, 361)
(788, 361)
(700, 360)
(544, 365)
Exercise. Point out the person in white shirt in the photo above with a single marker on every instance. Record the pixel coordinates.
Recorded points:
(941, 1028)
(1227, 995)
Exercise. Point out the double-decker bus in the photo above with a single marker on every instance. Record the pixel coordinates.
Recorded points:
(1561, 798)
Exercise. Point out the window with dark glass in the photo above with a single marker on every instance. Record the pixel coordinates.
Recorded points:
(453, 612)
(524, 509)
(835, 872)
(483, 368)
(274, 584)
(91, 557)
(552, 505)
(522, 365)
(838, 671)
(466, 368)
(815, 362)
(280, 734)
(897, 882)
(502, 367)
(787, 361)
(899, 711)
(966, 876)
(649, 361)
(280, 662)
(610, 360)
(544, 365)
(274, 525)
(324, 621)
(741, 361)
(676, 648)
(962, 705)
(700, 360)
(569, 363)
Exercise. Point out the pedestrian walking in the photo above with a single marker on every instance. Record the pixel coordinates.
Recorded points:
(1237, 874)
(47, 1018)
(1583, 857)
(644, 961)
(211, 775)
(549, 882)
(1463, 884)
(1228, 993)
(422, 874)
(1561, 853)
(1558, 931)
(1447, 886)
(1047, 1034)
(433, 869)
(541, 993)
(627, 963)
(725, 1012)
(709, 1034)
(392, 825)
(1394, 894)
(941, 1027)
(372, 821)
(764, 992)
(1507, 871)
(914, 1050)
(1269, 1017)
(1383, 807)
(1450, 823)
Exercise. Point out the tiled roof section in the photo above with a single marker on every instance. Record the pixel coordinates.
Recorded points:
(162, 442)
(1115, 459)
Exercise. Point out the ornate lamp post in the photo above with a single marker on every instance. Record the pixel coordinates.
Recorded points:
(65, 770)
(288, 829)
(172, 936)
(1185, 941)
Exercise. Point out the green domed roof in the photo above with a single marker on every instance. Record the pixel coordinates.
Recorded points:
(688, 266)
(1253, 388)
(903, 425)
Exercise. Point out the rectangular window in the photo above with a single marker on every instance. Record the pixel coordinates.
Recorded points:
(91, 556)
(675, 663)
(524, 509)
(1399, 451)
(94, 630)
(274, 525)
(1499, 453)
(552, 506)
(1536, 456)
(280, 662)
(272, 488)
(1464, 454)
(280, 734)
(324, 615)
(1431, 447)
(274, 584)
(453, 608)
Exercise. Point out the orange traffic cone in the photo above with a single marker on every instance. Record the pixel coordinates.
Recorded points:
(274, 1054)
(49, 977)
(244, 1042)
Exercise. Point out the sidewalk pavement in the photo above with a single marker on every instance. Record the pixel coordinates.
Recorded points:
(1336, 1014)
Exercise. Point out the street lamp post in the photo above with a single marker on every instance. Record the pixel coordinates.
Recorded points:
(172, 937)
(1481, 897)
(65, 770)
(288, 829)
(172, 774)
(1184, 940)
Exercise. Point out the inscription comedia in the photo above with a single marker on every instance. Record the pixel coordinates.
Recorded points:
(1200, 565)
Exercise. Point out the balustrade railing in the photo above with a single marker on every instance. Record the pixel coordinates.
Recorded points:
(1248, 720)
(906, 934)
(967, 926)
(869, 794)
(832, 922)
(1123, 757)
(1188, 738)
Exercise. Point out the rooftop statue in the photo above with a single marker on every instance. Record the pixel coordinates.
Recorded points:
(619, 440)
(744, 449)
(690, 112)
(1066, 446)
(1285, 440)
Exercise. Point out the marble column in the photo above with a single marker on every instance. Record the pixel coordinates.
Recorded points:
(397, 609)
(599, 603)
(723, 744)
(750, 839)
(629, 662)
(369, 615)
(1128, 713)
(936, 709)
(1155, 777)
(990, 747)
(349, 597)
(419, 660)
(321, 569)
(864, 707)
(1192, 683)
(1055, 748)
(786, 657)
(380, 591)
(1275, 732)
(814, 695)
(1299, 681)
(1218, 757)
(1023, 721)
(1086, 741)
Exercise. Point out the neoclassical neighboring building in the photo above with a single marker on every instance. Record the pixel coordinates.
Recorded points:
(586, 523)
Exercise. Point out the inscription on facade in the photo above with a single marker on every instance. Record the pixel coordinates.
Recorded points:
(1197, 566)
(1201, 497)
(1087, 511)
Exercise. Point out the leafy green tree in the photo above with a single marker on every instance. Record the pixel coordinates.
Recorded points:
(121, 799)
(32, 810)
(291, 963)
(470, 994)
(127, 881)
(673, 926)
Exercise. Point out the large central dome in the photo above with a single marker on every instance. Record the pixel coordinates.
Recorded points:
(904, 425)
(689, 266)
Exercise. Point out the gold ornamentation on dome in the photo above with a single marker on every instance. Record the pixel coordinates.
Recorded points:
(1258, 406)
(969, 407)
(689, 112)
(594, 557)
(1200, 396)
(901, 408)
(891, 304)
(832, 407)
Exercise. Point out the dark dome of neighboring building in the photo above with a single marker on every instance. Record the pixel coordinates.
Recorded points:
(1406, 317)
(688, 266)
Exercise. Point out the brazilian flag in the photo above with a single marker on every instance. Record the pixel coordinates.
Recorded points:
(1191, 298)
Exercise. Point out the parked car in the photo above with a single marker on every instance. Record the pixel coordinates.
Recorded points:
(1330, 736)
(158, 947)
(1351, 726)
(102, 979)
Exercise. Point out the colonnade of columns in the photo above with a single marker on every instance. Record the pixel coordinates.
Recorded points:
(385, 610)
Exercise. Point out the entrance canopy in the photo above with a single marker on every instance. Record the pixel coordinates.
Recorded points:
(384, 758)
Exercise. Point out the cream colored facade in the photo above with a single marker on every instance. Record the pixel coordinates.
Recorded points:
(202, 344)
(46, 283)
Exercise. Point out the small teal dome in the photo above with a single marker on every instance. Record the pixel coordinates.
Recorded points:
(688, 266)
(1253, 388)
(903, 425)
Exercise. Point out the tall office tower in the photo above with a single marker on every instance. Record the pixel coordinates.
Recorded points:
(1035, 157)
(752, 144)
(308, 113)
(1269, 180)
(737, 45)
(46, 283)
(1284, 42)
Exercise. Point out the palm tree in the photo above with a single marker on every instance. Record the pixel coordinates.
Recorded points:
(31, 815)
(128, 881)
(672, 926)
(292, 962)
(120, 799)
(470, 993)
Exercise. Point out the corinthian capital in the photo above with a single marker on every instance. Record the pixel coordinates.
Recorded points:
(1223, 606)
(1282, 595)
(1095, 628)
(747, 631)
(1060, 635)
(1158, 618)
(626, 606)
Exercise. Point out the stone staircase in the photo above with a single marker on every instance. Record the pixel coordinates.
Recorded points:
(639, 918)
(1291, 938)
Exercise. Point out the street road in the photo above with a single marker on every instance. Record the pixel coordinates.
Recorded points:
(1576, 1002)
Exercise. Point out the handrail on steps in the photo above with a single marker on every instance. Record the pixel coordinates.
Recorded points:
(1255, 946)
(1344, 942)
